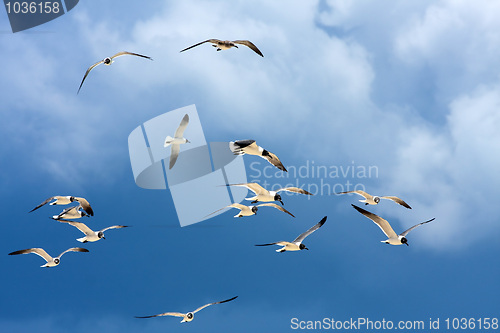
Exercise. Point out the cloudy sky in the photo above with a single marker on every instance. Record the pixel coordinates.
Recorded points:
(410, 89)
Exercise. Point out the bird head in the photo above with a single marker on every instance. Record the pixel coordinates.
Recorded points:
(277, 197)
(100, 234)
(404, 241)
(56, 261)
(376, 199)
(303, 247)
(107, 61)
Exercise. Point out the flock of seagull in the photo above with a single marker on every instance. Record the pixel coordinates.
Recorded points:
(261, 197)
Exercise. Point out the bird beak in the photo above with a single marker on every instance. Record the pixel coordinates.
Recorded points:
(306, 249)
(103, 237)
(187, 141)
(236, 46)
(282, 203)
(407, 244)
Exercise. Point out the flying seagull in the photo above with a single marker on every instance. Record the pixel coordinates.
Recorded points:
(227, 44)
(242, 147)
(187, 317)
(109, 61)
(261, 194)
(252, 210)
(64, 200)
(374, 200)
(393, 239)
(74, 212)
(177, 140)
(51, 262)
(297, 244)
(91, 235)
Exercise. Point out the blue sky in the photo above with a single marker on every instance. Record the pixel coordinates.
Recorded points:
(412, 88)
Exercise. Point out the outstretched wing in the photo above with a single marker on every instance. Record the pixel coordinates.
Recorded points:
(180, 130)
(295, 190)
(383, 224)
(215, 41)
(85, 205)
(175, 314)
(42, 204)
(114, 227)
(254, 187)
(250, 45)
(39, 251)
(80, 226)
(273, 159)
(73, 249)
(176, 148)
(397, 200)
(277, 207)
(359, 192)
(130, 53)
(204, 306)
(404, 233)
(310, 231)
(87, 73)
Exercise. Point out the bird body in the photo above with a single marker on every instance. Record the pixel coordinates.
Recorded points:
(227, 44)
(249, 147)
(74, 212)
(252, 210)
(374, 200)
(261, 194)
(90, 235)
(177, 140)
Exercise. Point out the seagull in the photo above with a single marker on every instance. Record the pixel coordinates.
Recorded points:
(297, 245)
(108, 61)
(264, 195)
(252, 210)
(70, 213)
(90, 235)
(187, 317)
(387, 229)
(64, 200)
(374, 200)
(177, 140)
(227, 44)
(242, 147)
(51, 262)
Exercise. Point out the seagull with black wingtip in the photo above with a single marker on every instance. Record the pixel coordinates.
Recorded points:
(189, 316)
(65, 200)
(374, 200)
(296, 244)
(394, 239)
(90, 235)
(227, 44)
(108, 61)
(252, 210)
(51, 262)
(74, 212)
(242, 147)
(261, 194)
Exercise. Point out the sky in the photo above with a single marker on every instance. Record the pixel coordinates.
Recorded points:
(406, 94)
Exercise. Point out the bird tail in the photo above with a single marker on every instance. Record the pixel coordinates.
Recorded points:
(168, 141)
(235, 148)
(82, 240)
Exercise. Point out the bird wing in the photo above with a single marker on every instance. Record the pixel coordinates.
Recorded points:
(73, 249)
(176, 148)
(294, 189)
(85, 205)
(383, 224)
(273, 159)
(87, 73)
(80, 226)
(277, 207)
(404, 233)
(206, 41)
(41, 252)
(175, 314)
(250, 45)
(254, 187)
(204, 306)
(42, 204)
(315, 227)
(234, 205)
(180, 130)
(130, 53)
(359, 192)
(114, 227)
(397, 200)
(65, 211)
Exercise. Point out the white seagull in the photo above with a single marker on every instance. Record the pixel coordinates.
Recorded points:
(64, 200)
(252, 210)
(51, 262)
(297, 244)
(374, 200)
(74, 212)
(108, 61)
(249, 147)
(393, 239)
(227, 44)
(177, 140)
(261, 194)
(187, 317)
(91, 235)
